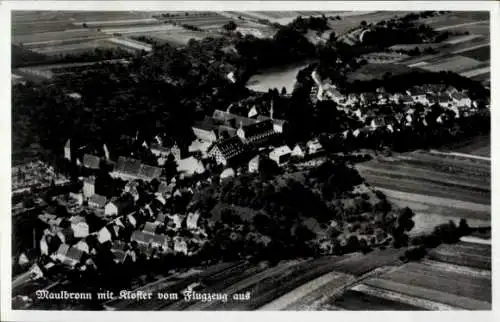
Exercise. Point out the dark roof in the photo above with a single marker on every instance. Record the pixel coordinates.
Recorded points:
(207, 124)
(119, 245)
(262, 128)
(98, 199)
(369, 96)
(161, 218)
(262, 118)
(164, 188)
(125, 202)
(226, 129)
(75, 254)
(232, 120)
(443, 98)
(149, 172)
(405, 98)
(145, 238)
(128, 165)
(91, 161)
(229, 147)
(156, 146)
(459, 96)
(150, 227)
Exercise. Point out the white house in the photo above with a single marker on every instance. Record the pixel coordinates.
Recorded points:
(227, 173)
(313, 146)
(192, 220)
(110, 209)
(103, 235)
(298, 152)
(281, 154)
(80, 228)
(180, 246)
(253, 164)
(461, 100)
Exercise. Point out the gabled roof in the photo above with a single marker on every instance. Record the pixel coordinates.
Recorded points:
(149, 172)
(145, 238)
(261, 128)
(63, 249)
(99, 200)
(229, 147)
(74, 254)
(91, 161)
(226, 129)
(156, 146)
(282, 150)
(128, 165)
(207, 124)
(459, 96)
(232, 119)
(150, 227)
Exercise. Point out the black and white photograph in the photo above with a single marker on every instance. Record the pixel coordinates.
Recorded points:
(250, 160)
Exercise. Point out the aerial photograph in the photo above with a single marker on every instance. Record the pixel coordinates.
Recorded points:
(250, 160)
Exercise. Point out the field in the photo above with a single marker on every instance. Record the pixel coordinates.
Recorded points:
(482, 53)
(456, 277)
(376, 71)
(275, 78)
(456, 63)
(437, 187)
(457, 18)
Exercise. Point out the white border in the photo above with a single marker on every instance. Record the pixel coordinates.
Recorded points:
(5, 219)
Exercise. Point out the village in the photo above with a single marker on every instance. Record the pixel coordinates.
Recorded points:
(151, 215)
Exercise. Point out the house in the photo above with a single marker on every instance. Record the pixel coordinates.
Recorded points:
(126, 168)
(257, 133)
(278, 125)
(73, 257)
(76, 197)
(160, 219)
(225, 132)
(200, 146)
(377, 122)
(148, 172)
(131, 219)
(61, 252)
(227, 173)
(79, 226)
(150, 227)
(298, 151)
(334, 94)
(83, 246)
(190, 166)
(405, 99)
(91, 161)
(192, 220)
(119, 206)
(67, 150)
(204, 130)
(313, 146)
(281, 155)
(180, 246)
(253, 164)
(461, 100)
(145, 239)
(89, 186)
(368, 98)
(444, 100)
(418, 96)
(223, 151)
(231, 120)
(159, 150)
(104, 235)
(97, 201)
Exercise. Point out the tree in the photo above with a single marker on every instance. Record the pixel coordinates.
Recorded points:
(170, 166)
(230, 26)
(363, 23)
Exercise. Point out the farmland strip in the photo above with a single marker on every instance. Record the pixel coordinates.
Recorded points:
(401, 297)
(438, 300)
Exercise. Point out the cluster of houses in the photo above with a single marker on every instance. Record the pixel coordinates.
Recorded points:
(124, 225)
(365, 106)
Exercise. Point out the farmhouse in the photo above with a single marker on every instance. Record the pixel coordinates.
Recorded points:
(280, 155)
(298, 151)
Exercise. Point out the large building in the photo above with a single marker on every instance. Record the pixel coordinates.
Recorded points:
(130, 169)
(223, 151)
(257, 133)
